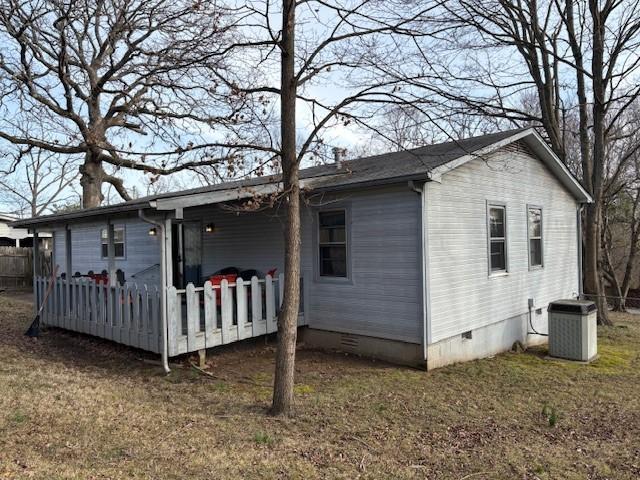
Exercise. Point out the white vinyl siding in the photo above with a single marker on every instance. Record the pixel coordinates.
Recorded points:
(142, 250)
(383, 294)
(59, 250)
(462, 296)
(245, 240)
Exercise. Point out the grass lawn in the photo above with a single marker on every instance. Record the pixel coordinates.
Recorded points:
(76, 407)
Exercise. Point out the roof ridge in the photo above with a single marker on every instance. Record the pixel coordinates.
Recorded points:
(415, 163)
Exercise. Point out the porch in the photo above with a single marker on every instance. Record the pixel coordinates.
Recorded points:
(197, 317)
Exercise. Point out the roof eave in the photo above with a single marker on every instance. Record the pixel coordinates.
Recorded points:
(70, 217)
(540, 147)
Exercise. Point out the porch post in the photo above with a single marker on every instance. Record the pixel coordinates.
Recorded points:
(69, 273)
(36, 253)
(111, 253)
(168, 249)
(167, 281)
(68, 252)
(162, 227)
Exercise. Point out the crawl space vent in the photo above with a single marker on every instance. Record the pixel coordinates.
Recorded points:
(348, 341)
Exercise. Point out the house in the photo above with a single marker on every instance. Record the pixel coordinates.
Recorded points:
(19, 237)
(426, 257)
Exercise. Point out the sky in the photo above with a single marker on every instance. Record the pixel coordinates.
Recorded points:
(331, 86)
(328, 88)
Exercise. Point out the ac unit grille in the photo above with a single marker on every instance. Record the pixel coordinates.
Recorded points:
(572, 336)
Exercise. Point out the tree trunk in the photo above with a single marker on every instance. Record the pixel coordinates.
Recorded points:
(592, 275)
(593, 286)
(288, 319)
(91, 180)
(609, 270)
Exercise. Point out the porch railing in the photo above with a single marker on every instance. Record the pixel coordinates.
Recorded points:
(197, 317)
(125, 314)
(205, 317)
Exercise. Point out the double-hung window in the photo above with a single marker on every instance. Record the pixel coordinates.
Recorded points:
(118, 242)
(534, 226)
(332, 243)
(497, 230)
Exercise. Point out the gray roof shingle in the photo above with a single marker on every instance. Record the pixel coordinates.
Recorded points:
(383, 168)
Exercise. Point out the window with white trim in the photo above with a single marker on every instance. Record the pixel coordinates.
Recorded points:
(118, 242)
(534, 226)
(332, 243)
(497, 230)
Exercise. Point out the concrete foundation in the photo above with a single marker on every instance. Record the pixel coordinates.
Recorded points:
(392, 351)
(479, 343)
(487, 341)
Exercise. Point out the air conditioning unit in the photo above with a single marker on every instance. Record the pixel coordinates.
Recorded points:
(573, 332)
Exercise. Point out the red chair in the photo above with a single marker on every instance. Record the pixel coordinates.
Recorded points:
(216, 280)
(100, 278)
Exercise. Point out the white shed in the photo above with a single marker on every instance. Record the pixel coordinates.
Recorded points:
(19, 237)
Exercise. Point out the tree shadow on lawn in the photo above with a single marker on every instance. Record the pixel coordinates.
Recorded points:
(250, 361)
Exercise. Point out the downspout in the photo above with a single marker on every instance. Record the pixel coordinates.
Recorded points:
(423, 267)
(579, 235)
(163, 280)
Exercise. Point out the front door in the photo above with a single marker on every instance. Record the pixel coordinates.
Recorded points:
(192, 252)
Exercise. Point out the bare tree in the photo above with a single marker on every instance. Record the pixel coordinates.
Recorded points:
(404, 126)
(37, 181)
(621, 207)
(574, 57)
(129, 84)
(326, 54)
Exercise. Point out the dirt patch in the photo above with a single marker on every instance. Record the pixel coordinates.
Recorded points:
(25, 296)
(73, 406)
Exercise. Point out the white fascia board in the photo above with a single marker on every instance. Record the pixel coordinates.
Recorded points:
(542, 148)
(538, 145)
(437, 173)
(220, 196)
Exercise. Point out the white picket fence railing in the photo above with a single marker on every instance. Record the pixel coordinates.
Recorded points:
(125, 314)
(197, 317)
(205, 317)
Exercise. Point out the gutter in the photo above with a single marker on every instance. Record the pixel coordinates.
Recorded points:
(579, 237)
(163, 279)
(80, 214)
(424, 270)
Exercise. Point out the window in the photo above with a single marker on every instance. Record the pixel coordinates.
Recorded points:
(497, 238)
(118, 242)
(332, 243)
(534, 221)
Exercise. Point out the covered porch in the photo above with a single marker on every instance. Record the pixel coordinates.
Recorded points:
(172, 286)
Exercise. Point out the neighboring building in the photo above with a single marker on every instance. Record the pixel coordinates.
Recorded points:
(430, 256)
(19, 237)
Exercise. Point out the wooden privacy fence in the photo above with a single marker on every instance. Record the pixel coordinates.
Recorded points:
(205, 317)
(16, 266)
(125, 314)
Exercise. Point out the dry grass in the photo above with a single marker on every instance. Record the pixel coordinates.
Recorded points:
(76, 407)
